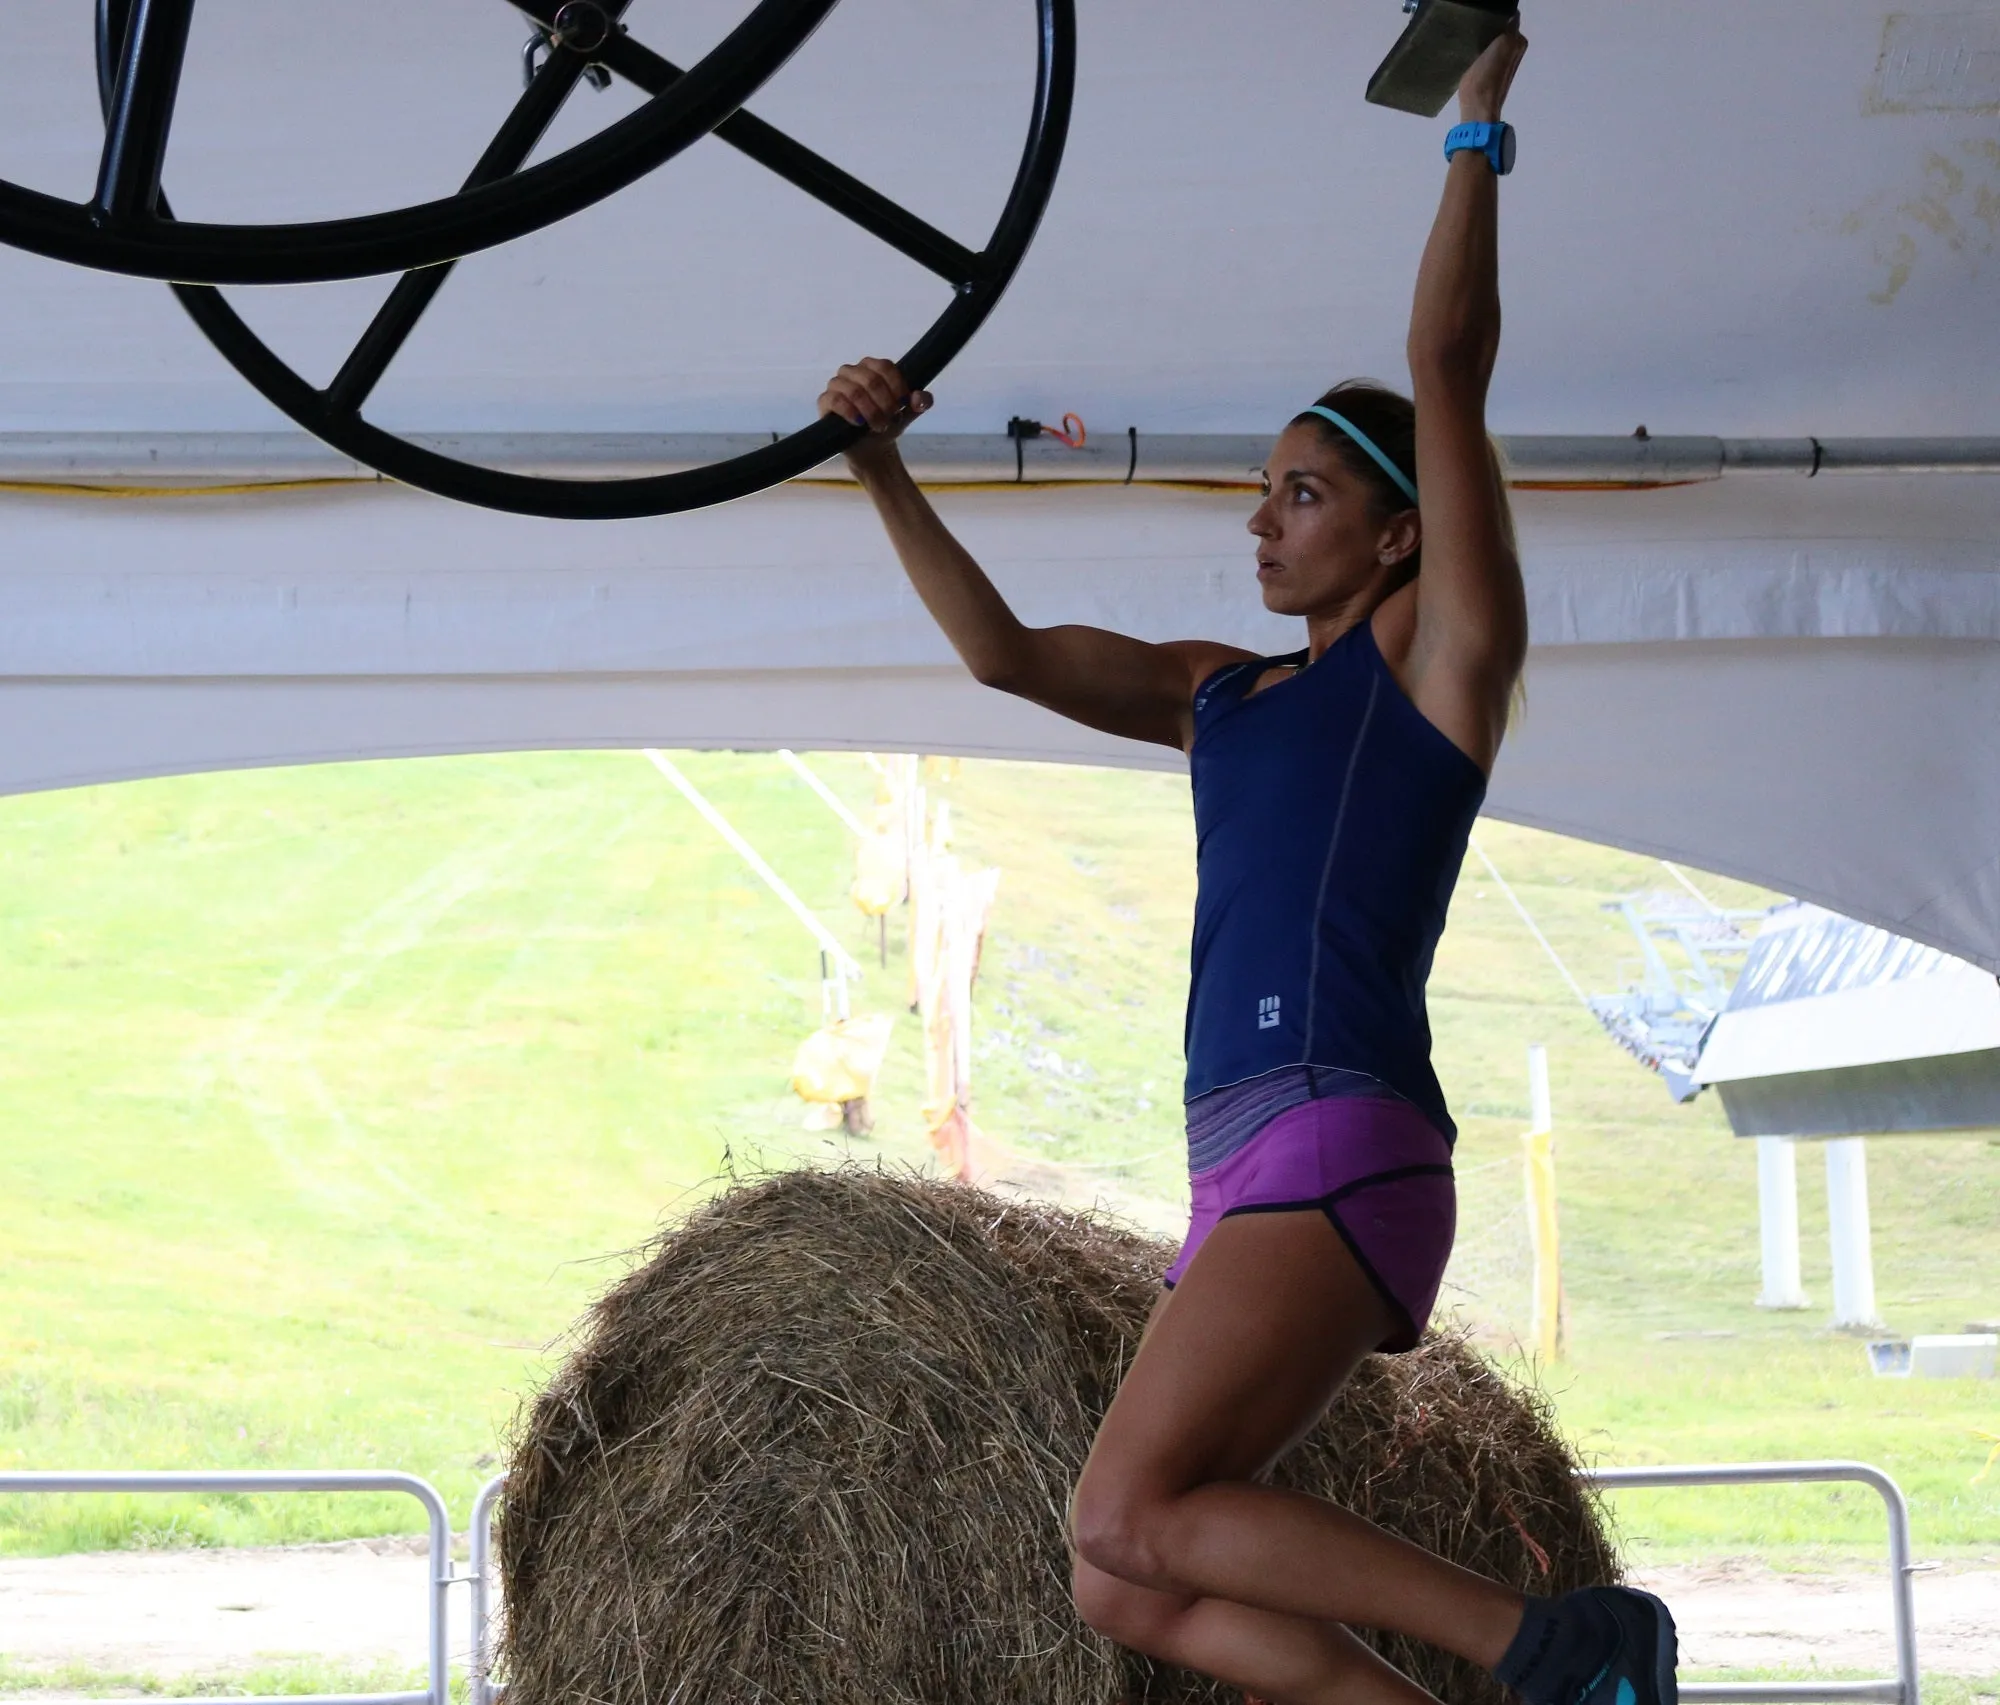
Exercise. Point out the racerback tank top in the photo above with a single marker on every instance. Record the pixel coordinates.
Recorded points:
(1331, 817)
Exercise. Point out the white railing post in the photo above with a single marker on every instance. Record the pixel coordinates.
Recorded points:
(438, 1576)
(481, 1687)
(1902, 1597)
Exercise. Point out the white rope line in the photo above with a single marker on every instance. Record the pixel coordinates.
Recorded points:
(772, 880)
(804, 772)
(1534, 929)
(1511, 1162)
(1674, 871)
(1121, 1163)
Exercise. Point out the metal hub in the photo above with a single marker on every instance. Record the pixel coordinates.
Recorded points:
(582, 26)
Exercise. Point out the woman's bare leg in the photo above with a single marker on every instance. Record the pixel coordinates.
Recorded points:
(1270, 1319)
(1286, 1659)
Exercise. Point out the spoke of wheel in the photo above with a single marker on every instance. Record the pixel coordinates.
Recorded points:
(797, 164)
(515, 140)
(387, 332)
(112, 18)
(142, 111)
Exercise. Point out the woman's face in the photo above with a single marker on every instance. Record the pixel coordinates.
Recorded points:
(1320, 540)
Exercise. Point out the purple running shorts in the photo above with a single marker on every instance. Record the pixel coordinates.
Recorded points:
(1373, 1164)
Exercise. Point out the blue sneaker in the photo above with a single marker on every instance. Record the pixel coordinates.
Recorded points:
(1642, 1669)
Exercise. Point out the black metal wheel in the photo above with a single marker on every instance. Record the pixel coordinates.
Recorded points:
(125, 226)
(978, 281)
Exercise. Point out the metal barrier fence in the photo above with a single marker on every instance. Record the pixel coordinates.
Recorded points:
(439, 1581)
(1901, 1690)
(480, 1682)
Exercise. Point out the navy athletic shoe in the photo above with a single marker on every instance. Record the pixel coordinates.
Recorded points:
(1595, 1646)
(1642, 1671)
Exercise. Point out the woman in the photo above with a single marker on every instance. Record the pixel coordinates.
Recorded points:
(1334, 791)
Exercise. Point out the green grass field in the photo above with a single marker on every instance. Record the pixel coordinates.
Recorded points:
(270, 1679)
(330, 1096)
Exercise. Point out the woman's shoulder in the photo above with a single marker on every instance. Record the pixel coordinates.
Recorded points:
(1209, 660)
(1221, 671)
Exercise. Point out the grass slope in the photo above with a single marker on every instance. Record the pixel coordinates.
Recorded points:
(327, 1093)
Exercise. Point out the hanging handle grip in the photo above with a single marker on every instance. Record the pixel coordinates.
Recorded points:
(1436, 50)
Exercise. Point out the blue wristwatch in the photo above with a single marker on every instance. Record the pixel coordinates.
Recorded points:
(1495, 141)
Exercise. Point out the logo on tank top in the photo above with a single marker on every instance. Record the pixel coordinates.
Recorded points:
(1267, 1013)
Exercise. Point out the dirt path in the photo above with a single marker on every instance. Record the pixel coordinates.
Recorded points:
(1738, 1614)
(182, 1613)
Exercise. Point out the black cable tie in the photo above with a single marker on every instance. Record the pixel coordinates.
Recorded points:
(1132, 467)
(1021, 429)
(1819, 459)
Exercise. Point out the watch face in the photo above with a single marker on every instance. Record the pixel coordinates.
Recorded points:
(1506, 149)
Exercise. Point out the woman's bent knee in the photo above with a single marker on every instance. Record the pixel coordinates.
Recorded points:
(1133, 1616)
(1116, 1531)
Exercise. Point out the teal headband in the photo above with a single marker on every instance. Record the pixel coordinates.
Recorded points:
(1404, 483)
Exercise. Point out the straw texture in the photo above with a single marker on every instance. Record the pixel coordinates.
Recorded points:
(815, 1448)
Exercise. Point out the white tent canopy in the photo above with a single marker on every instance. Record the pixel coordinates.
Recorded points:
(1727, 222)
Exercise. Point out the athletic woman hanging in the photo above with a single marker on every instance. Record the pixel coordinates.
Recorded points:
(1334, 791)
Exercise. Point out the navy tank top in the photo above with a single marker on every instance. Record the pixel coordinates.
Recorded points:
(1331, 817)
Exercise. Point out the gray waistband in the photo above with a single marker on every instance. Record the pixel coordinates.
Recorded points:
(1223, 1120)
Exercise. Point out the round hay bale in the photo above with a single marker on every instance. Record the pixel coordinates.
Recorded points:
(816, 1449)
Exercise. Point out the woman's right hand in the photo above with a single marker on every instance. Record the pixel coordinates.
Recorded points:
(1483, 90)
(872, 393)
(1124, 686)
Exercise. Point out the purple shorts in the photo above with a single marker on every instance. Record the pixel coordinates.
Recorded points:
(1372, 1163)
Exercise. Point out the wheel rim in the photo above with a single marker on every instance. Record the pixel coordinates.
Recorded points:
(333, 413)
(127, 227)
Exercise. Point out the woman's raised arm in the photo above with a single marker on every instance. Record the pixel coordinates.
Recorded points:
(1471, 612)
(1108, 681)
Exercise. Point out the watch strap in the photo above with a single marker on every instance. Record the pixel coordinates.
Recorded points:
(1494, 140)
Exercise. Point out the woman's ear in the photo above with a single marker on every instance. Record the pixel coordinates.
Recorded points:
(1400, 539)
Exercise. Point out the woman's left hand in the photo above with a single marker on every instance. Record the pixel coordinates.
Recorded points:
(1483, 90)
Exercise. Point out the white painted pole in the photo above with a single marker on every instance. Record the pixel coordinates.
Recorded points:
(1541, 1115)
(1847, 1231)
(915, 810)
(1778, 1222)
